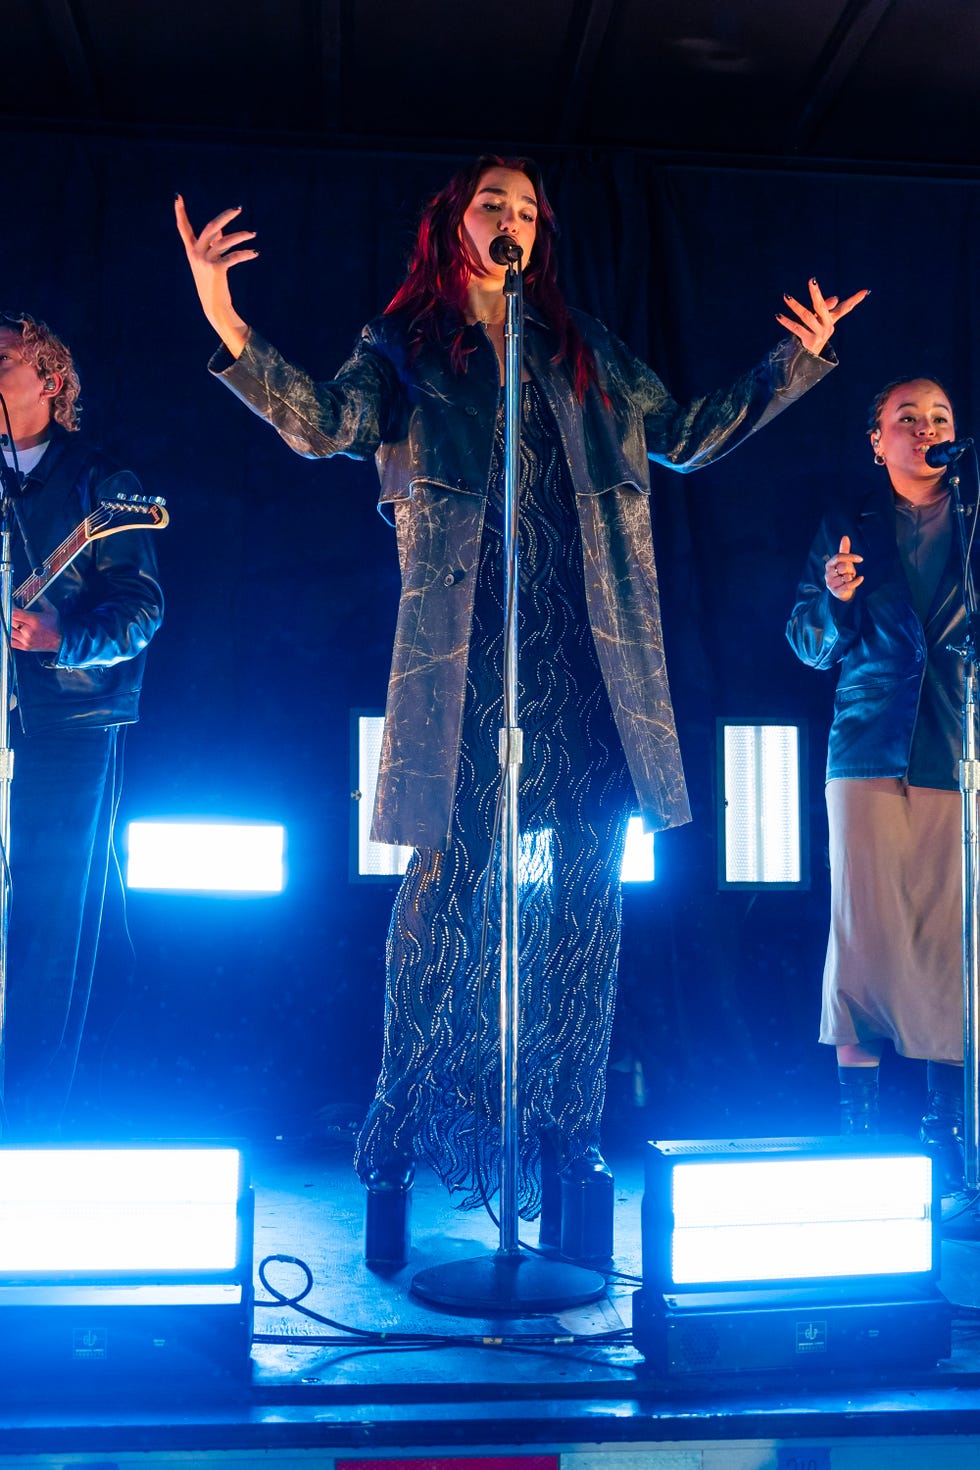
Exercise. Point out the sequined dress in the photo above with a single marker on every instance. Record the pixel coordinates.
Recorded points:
(437, 1097)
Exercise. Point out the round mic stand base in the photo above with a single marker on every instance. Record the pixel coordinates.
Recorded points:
(509, 1284)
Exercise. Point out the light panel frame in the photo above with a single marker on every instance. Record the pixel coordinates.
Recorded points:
(765, 806)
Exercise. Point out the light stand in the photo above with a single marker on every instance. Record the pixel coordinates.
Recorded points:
(509, 1282)
(969, 782)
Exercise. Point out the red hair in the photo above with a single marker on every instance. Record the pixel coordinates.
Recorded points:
(441, 265)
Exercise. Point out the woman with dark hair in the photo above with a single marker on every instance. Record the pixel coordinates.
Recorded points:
(881, 601)
(422, 394)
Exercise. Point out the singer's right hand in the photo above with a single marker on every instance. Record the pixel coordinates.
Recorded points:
(840, 572)
(211, 254)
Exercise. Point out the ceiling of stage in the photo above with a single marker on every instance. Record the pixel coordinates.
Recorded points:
(872, 82)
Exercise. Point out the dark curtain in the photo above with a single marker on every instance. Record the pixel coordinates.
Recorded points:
(264, 1015)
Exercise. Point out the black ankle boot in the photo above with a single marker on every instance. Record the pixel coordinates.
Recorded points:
(858, 1099)
(387, 1227)
(941, 1130)
(587, 1207)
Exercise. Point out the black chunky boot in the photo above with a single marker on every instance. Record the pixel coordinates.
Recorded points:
(387, 1228)
(587, 1208)
(858, 1099)
(942, 1124)
(577, 1206)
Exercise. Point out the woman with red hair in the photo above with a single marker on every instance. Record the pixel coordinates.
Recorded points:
(422, 393)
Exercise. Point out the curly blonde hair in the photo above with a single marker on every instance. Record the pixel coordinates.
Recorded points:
(48, 355)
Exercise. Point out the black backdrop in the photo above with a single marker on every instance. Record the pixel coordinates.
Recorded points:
(263, 1016)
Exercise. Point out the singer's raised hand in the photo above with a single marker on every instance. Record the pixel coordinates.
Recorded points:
(814, 324)
(841, 573)
(211, 254)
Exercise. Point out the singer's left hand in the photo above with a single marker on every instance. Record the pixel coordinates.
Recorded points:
(814, 324)
(36, 632)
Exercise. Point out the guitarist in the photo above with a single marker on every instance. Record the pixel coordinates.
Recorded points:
(79, 651)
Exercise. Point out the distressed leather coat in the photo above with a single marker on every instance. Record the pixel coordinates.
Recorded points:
(430, 431)
(108, 597)
(885, 656)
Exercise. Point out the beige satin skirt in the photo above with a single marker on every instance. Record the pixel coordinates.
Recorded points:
(894, 966)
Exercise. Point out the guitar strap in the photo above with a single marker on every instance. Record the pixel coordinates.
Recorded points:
(25, 538)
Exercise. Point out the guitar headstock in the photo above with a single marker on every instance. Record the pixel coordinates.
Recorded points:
(127, 513)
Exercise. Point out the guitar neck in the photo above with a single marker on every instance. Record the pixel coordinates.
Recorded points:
(32, 587)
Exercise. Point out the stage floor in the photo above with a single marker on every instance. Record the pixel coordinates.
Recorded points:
(568, 1385)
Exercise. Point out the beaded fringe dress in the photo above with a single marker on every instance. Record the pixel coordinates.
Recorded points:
(438, 1095)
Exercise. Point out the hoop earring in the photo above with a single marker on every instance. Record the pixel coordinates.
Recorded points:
(879, 461)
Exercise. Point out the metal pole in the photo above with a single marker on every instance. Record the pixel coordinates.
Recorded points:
(510, 1281)
(6, 758)
(969, 788)
(969, 783)
(511, 754)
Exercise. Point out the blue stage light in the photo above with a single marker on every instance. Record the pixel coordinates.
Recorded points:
(124, 1265)
(789, 1253)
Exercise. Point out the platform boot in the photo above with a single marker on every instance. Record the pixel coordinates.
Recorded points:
(577, 1208)
(858, 1099)
(942, 1123)
(387, 1224)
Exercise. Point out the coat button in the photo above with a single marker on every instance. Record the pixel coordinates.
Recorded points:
(472, 410)
(451, 578)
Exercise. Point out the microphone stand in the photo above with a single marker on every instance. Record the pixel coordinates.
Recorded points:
(969, 783)
(9, 489)
(509, 1282)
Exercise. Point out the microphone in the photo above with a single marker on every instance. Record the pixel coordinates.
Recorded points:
(946, 453)
(504, 250)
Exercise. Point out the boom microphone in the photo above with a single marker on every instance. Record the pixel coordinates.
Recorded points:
(504, 250)
(946, 453)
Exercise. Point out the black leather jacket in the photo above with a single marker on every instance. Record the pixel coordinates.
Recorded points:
(886, 658)
(108, 598)
(431, 433)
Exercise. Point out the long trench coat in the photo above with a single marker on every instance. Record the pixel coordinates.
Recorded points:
(430, 430)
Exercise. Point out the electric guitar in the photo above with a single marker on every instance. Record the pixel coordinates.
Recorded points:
(128, 513)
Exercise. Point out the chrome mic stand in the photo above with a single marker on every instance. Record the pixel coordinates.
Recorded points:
(969, 782)
(509, 1282)
(8, 490)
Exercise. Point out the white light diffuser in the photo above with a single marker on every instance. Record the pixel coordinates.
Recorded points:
(638, 855)
(374, 859)
(206, 856)
(760, 783)
(111, 1212)
(801, 1219)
